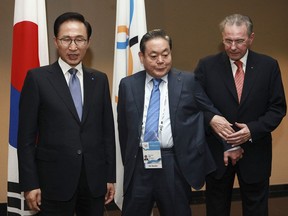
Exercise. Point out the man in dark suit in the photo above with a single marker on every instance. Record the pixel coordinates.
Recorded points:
(66, 150)
(180, 133)
(253, 110)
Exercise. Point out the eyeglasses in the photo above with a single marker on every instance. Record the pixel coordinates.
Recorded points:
(79, 42)
(239, 42)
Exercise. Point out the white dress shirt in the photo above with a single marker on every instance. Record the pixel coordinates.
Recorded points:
(244, 62)
(65, 67)
(164, 129)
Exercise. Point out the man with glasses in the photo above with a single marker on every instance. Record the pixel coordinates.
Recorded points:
(66, 143)
(246, 87)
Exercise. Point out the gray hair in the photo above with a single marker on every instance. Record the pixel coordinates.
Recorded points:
(238, 20)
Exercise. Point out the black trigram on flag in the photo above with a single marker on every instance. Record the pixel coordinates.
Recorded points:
(16, 205)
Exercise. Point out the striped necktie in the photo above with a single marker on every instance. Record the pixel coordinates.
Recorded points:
(239, 78)
(152, 120)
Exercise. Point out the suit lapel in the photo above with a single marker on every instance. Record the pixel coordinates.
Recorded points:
(250, 75)
(89, 85)
(57, 80)
(138, 92)
(174, 90)
(227, 76)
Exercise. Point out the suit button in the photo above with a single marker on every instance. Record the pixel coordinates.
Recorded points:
(79, 152)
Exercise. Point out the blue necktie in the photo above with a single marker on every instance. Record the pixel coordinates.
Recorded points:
(152, 119)
(75, 89)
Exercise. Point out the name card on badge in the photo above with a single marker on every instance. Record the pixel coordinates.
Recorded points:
(152, 155)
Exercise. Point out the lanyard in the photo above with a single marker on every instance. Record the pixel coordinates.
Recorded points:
(160, 129)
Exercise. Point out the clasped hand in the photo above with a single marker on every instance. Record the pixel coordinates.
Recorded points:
(224, 129)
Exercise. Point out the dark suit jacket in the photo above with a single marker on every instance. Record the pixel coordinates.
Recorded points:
(186, 97)
(53, 143)
(262, 108)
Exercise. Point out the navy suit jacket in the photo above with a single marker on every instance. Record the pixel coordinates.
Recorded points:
(53, 142)
(262, 108)
(186, 98)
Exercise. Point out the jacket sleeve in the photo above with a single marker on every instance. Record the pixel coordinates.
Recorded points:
(27, 134)
(208, 107)
(121, 115)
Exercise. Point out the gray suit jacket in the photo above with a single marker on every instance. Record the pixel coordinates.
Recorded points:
(186, 99)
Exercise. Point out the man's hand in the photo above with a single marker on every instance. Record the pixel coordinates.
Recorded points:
(33, 199)
(110, 193)
(239, 137)
(221, 126)
(234, 156)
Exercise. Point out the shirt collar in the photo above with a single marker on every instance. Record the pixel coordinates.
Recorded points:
(149, 78)
(65, 67)
(243, 59)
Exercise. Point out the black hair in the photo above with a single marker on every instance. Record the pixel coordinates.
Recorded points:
(68, 16)
(156, 33)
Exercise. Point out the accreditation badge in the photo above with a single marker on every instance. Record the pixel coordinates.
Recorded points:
(152, 155)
